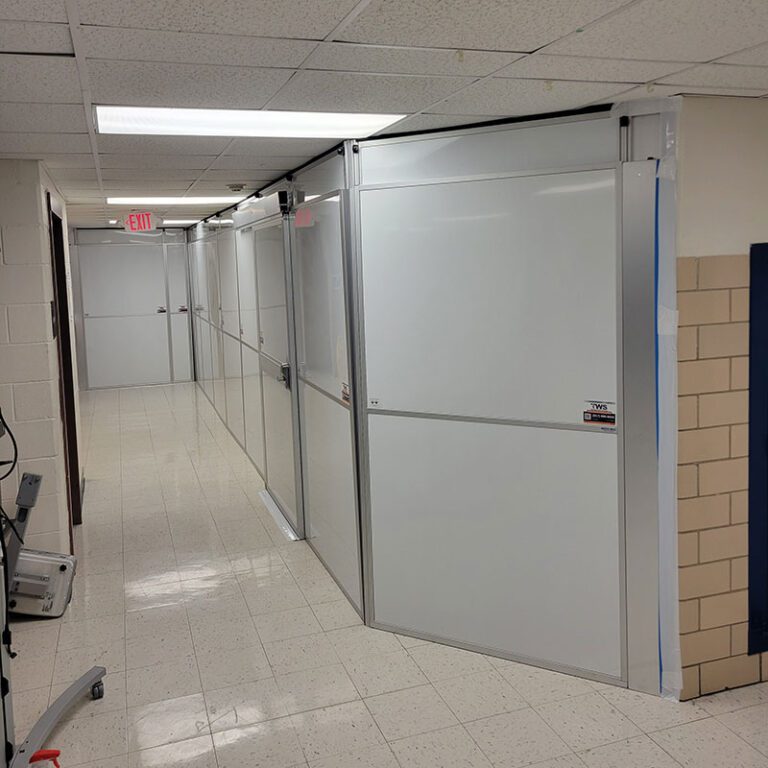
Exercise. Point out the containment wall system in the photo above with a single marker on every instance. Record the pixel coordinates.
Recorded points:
(505, 306)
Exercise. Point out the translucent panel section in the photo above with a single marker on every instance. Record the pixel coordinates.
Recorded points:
(321, 322)
(330, 488)
(492, 298)
(281, 479)
(498, 536)
(254, 416)
(230, 315)
(248, 296)
(177, 277)
(233, 383)
(270, 276)
(214, 296)
(564, 145)
(121, 281)
(126, 351)
(217, 372)
(180, 343)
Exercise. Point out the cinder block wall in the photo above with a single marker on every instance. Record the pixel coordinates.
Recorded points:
(29, 394)
(713, 349)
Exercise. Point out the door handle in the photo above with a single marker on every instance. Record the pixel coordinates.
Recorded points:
(161, 310)
(183, 308)
(285, 375)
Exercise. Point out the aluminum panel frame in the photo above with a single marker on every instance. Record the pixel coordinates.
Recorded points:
(638, 521)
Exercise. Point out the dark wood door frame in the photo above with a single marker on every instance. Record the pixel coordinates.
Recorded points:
(60, 314)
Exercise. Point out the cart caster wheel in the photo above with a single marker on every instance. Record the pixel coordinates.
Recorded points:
(97, 690)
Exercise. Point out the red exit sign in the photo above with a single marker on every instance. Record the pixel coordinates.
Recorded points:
(139, 222)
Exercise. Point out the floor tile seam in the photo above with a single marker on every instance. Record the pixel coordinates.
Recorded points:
(739, 736)
(463, 725)
(705, 716)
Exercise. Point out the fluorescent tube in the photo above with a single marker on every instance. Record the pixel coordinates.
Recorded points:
(188, 201)
(171, 121)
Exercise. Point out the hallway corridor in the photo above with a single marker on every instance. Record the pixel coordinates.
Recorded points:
(229, 646)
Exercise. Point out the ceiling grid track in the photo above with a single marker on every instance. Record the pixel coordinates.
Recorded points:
(73, 18)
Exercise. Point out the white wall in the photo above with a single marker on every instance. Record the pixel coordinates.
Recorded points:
(29, 393)
(722, 176)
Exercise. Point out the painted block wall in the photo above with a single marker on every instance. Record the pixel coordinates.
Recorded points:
(29, 392)
(722, 200)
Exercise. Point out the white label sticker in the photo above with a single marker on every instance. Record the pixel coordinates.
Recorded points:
(601, 413)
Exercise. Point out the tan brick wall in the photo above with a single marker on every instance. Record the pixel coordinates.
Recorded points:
(713, 349)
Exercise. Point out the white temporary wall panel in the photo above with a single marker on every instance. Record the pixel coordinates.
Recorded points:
(180, 344)
(178, 289)
(217, 371)
(233, 383)
(492, 298)
(509, 149)
(321, 316)
(127, 351)
(330, 488)
(205, 361)
(254, 414)
(212, 275)
(122, 280)
(270, 278)
(278, 420)
(499, 536)
(200, 271)
(247, 294)
(230, 314)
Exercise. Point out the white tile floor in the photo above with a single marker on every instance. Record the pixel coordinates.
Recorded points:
(228, 646)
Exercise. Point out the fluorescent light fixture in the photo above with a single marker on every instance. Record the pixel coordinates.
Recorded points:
(166, 121)
(179, 222)
(113, 221)
(149, 201)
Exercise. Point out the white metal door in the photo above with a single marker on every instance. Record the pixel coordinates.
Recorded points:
(124, 309)
(178, 308)
(276, 375)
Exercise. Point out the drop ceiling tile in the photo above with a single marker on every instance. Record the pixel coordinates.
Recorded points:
(428, 122)
(161, 145)
(31, 37)
(220, 186)
(22, 117)
(506, 97)
(260, 162)
(721, 75)
(76, 197)
(84, 160)
(242, 175)
(548, 67)
(193, 48)
(164, 84)
(68, 175)
(683, 30)
(480, 24)
(415, 61)
(347, 92)
(150, 174)
(44, 142)
(656, 91)
(756, 56)
(33, 10)
(267, 148)
(310, 19)
(119, 186)
(156, 162)
(51, 79)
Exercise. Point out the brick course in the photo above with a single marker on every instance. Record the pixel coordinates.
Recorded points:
(713, 415)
